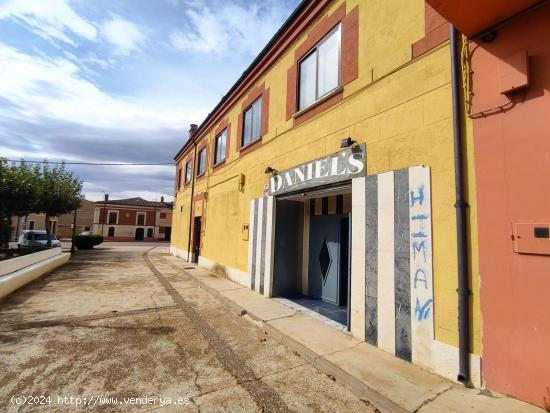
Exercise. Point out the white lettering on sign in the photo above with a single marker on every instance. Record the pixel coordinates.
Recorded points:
(333, 168)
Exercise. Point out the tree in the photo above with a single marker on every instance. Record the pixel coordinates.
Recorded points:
(18, 194)
(59, 192)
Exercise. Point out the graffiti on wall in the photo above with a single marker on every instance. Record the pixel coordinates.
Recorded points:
(421, 252)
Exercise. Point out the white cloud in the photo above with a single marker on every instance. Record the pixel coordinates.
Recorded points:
(124, 35)
(50, 19)
(41, 88)
(232, 27)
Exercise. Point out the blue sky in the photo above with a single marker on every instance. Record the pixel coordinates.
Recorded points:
(121, 80)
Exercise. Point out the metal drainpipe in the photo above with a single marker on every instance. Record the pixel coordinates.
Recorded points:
(192, 131)
(461, 223)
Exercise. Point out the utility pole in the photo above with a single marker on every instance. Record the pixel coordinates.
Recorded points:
(74, 232)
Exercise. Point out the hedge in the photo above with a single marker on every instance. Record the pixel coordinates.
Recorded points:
(87, 242)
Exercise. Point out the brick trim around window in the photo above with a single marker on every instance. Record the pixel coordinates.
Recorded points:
(224, 124)
(349, 61)
(254, 94)
(436, 32)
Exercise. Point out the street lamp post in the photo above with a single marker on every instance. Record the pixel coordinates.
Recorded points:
(74, 233)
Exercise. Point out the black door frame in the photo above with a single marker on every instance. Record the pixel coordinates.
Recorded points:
(197, 228)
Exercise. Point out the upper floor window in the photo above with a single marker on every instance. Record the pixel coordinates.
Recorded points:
(221, 145)
(113, 217)
(188, 168)
(319, 71)
(140, 218)
(179, 178)
(252, 124)
(201, 167)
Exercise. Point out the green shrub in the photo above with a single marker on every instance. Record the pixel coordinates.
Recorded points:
(87, 242)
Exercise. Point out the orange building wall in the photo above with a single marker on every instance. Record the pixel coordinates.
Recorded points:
(512, 147)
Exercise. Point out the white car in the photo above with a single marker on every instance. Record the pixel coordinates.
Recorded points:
(36, 239)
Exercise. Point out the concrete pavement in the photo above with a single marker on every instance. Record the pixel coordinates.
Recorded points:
(114, 326)
(389, 383)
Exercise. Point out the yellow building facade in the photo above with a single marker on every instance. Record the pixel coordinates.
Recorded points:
(393, 100)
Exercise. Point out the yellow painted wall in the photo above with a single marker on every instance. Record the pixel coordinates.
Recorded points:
(401, 108)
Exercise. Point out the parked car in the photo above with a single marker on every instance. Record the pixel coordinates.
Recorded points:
(36, 239)
(85, 233)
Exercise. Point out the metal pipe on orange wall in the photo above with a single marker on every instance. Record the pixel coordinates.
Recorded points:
(461, 219)
(192, 132)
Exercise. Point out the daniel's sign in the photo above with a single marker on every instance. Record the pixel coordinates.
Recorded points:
(340, 166)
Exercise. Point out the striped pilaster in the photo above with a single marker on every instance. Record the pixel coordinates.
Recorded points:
(260, 249)
(398, 262)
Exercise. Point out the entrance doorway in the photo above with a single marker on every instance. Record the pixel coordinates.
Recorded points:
(139, 234)
(312, 253)
(196, 239)
(328, 275)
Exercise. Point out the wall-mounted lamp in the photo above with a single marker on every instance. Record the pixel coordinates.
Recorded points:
(270, 170)
(346, 143)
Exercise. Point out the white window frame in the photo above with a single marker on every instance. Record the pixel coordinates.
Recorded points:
(201, 164)
(108, 215)
(188, 171)
(52, 221)
(144, 218)
(315, 49)
(250, 108)
(216, 139)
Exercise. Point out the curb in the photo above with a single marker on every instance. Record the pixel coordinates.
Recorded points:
(378, 400)
(374, 397)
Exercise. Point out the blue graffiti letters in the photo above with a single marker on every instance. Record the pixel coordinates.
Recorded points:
(420, 276)
(422, 311)
(418, 247)
(418, 198)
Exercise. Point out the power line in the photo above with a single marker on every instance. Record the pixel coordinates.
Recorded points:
(91, 163)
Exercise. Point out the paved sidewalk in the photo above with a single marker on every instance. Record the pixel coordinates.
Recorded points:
(118, 325)
(389, 383)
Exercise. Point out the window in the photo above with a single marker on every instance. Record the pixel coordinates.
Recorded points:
(113, 217)
(141, 218)
(31, 225)
(188, 169)
(201, 167)
(111, 232)
(319, 71)
(252, 125)
(163, 215)
(149, 232)
(179, 178)
(221, 145)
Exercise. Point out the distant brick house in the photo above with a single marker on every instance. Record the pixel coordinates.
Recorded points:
(61, 226)
(133, 219)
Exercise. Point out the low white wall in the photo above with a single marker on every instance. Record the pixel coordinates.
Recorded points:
(15, 264)
(178, 252)
(28, 273)
(234, 274)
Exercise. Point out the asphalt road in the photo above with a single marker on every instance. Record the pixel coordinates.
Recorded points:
(121, 329)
